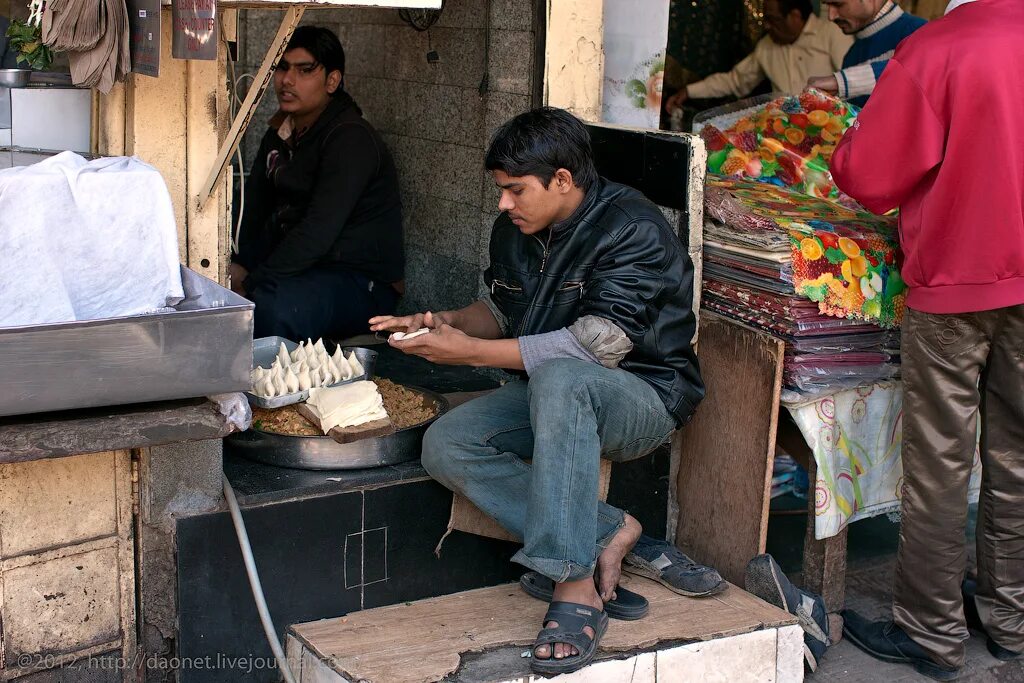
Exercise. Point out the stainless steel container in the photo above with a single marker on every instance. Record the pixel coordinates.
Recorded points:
(14, 78)
(324, 453)
(202, 347)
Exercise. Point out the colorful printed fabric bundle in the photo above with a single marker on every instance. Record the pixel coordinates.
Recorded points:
(843, 259)
(787, 143)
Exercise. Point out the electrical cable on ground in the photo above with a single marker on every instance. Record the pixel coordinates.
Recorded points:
(254, 582)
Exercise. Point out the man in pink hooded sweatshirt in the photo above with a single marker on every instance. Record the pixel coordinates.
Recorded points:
(942, 138)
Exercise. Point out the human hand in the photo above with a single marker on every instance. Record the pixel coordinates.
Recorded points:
(676, 101)
(236, 276)
(827, 84)
(444, 345)
(409, 323)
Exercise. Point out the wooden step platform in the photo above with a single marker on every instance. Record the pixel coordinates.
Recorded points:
(480, 636)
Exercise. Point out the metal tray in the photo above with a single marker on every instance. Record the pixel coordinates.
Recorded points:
(324, 453)
(264, 350)
(202, 347)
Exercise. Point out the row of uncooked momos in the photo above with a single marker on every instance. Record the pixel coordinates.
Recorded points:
(308, 366)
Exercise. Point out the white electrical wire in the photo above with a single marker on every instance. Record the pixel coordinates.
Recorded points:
(254, 582)
(234, 103)
(35, 12)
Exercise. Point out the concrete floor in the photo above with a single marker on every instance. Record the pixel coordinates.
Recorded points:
(872, 561)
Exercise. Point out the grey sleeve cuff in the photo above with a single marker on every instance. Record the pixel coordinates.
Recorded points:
(499, 317)
(537, 348)
(602, 338)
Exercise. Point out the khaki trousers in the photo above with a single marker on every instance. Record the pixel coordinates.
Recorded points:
(955, 369)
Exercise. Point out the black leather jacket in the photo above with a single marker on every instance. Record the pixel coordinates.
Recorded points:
(616, 258)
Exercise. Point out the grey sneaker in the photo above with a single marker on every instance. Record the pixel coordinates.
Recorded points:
(666, 564)
(764, 578)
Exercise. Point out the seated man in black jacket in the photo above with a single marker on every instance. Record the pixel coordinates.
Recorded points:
(591, 295)
(320, 246)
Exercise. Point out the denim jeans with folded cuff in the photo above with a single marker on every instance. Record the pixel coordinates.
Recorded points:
(569, 415)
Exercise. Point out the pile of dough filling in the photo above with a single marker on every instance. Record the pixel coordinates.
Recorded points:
(349, 405)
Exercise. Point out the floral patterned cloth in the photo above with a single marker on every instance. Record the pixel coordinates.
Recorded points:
(788, 142)
(856, 436)
(844, 259)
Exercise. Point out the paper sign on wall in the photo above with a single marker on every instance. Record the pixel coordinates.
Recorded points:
(195, 29)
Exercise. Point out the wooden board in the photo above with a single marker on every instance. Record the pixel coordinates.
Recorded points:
(726, 452)
(424, 641)
(349, 434)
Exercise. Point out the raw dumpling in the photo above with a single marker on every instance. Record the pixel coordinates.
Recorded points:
(355, 365)
(291, 381)
(336, 374)
(266, 389)
(296, 355)
(319, 346)
(280, 388)
(282, 355)
(304, 381)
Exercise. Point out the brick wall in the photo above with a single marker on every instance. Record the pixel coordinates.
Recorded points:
(433, 119)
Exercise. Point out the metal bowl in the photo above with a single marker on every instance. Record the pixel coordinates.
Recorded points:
(14, 78)
(324, 453)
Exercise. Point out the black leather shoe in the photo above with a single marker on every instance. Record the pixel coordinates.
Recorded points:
(969, 588)
(886, 641)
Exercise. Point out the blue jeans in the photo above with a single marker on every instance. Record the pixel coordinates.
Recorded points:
(569, 415)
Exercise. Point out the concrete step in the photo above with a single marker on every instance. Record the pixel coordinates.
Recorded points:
(481, 636)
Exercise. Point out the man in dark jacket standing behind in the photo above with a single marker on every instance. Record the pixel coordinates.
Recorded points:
(591, 300)
(320, 247)
(919, 145)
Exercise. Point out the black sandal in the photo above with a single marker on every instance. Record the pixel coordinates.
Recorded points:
(572, 618)
(627, 605)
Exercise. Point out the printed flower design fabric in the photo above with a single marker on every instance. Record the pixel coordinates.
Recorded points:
(788, 143)
(856, 436)
(844, 259)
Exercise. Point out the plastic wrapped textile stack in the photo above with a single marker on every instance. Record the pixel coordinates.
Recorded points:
(820, 276)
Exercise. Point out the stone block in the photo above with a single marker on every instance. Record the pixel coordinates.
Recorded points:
(502, 106)
(460, 51)
(789, 647)
(511, 61)
(437, 169)
(438, 282)
(446, 113)
(441, 226)
(366, 48)
(183, 478)
(380, 100)
(748, 657)
(463, 14)
(62, 604)
(512, 15)
(58, 502)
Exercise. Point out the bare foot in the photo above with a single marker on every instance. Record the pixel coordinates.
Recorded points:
(609, 562)
(582, 592)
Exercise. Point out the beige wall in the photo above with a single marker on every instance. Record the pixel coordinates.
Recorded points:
(433, 118)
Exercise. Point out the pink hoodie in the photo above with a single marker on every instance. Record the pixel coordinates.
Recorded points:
(942, 138)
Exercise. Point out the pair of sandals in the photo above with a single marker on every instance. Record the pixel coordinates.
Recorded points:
(573, 618)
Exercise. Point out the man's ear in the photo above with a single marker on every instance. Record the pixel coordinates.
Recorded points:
(334, 81)
(563, 180)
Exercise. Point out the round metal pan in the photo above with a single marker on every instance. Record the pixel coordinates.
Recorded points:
(324, 453)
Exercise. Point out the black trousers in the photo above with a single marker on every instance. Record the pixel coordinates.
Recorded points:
(326, 302)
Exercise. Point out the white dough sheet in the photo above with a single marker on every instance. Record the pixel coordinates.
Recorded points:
(84, 240)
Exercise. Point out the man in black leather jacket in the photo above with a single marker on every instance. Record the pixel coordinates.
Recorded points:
(590, 299)
(320, 246)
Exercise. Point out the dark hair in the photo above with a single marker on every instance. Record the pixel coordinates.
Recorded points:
(323, 44)
(540, 142)
(805, 7)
